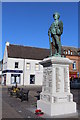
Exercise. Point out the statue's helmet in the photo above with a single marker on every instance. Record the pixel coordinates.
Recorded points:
(56, 15)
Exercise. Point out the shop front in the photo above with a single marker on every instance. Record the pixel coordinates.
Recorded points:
(73, 74)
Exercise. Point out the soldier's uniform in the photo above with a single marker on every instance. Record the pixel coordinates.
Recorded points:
(56, 29)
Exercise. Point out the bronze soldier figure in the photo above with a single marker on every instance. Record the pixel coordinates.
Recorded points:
(55, 31)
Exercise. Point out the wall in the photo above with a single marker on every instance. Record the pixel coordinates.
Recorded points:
(25, 76)
(77, 60)
(5, 57)
(0, 76)
(79, 65)
(32, 71)
(11, 63)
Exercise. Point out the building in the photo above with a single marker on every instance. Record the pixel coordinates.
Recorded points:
(73, 54)
(21, 64)
(0, 71)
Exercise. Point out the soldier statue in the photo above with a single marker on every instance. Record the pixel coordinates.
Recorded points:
(55, 31)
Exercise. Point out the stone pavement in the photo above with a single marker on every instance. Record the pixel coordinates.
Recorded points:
(13, 108)
(16, 107)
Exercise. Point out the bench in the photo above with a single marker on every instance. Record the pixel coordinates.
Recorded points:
(23, 94)
(11, 88)
(14, 91)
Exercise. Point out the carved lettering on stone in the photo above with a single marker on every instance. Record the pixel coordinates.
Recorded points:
(58, 79)
(47, 77)
(66, 76)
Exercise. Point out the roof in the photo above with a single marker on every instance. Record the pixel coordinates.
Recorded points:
(26, 52)
(73, 49)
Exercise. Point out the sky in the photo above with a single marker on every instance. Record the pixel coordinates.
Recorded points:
(27, 23)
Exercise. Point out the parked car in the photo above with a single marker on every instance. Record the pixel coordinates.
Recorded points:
(75, 83)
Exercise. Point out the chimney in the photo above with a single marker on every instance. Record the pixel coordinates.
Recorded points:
(7, 43)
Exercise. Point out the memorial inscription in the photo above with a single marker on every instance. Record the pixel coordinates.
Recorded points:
(47, 79)
(66, 80)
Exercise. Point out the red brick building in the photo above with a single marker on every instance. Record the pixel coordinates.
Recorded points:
(73, 54)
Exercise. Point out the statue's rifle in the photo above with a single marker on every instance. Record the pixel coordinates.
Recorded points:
(50, 46)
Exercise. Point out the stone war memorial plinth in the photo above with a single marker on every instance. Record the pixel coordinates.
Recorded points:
(55, 98)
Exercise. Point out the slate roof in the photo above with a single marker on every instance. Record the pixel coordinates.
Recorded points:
(26, 52)
(73, 49)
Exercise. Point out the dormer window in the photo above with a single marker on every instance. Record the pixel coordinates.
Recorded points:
(69, 52)
(66, 52)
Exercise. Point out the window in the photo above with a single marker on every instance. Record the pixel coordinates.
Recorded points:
(28, 66)
(32, 79)
(66, 52)
(74, 66)
(16, 64)
(79, 53)
(15, 78)
(37, 67)
(69, 52)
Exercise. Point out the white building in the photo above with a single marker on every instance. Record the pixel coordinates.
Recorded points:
(21, 65)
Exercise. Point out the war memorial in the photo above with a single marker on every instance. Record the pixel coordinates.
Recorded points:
(55, 98)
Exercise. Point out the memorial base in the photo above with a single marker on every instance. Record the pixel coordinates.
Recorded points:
(55, 98)
(53, 109)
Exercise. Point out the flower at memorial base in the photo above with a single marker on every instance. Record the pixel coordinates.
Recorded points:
(38, 112)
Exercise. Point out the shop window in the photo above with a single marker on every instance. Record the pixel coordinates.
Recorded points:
(74, 66)
(15, 78)
(37, 67)
(16, 64)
